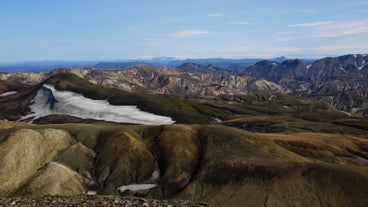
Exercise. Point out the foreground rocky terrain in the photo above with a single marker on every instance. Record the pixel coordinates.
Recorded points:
(212, 164)
(93, 201)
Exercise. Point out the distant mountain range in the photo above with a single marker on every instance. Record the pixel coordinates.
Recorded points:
(42, 66)
(221, 63)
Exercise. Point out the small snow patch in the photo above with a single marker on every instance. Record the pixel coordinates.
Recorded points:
(8, 93)
(358, 159)
(308, 66)
(91, 192)
(362, 159)
(218, 120)
(145, 186)
(363, 65)
(137, 188)
(271, 97)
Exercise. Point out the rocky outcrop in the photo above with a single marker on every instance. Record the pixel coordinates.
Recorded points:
(339, 81)
(24, 151)
(53, 179)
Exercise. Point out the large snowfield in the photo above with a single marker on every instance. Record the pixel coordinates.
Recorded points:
(74, 104)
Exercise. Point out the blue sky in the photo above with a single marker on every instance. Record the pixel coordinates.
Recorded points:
(122, 29)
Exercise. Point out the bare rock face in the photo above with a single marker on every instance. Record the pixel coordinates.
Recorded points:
(178, 158)
(24, 151)
(53, 179)
(122, 159)
(264, 86)
(23, 77)
(83, 164)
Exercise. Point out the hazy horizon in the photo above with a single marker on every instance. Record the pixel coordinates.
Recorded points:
(114, 30)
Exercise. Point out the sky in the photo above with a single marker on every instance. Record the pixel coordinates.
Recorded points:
(141, 29)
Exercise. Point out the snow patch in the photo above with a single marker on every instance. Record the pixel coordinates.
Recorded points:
(145, 186)
(73, 104)
(362, 159)
(91, 192)
(8, 93)
(358, 159)
(137, 188)
(271, 97)
(152, 75)
(217, 120)
(363, 65)
(308, 66)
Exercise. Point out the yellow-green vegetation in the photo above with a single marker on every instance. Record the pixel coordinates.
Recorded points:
(289, 124)
(334, 148)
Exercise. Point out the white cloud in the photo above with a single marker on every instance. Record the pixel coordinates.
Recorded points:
(365, 11)
(189, 33)
(334, 48)
(331, 29)
(239, 22)
(216, 15)
(285, 39)
(311, 24)
(344, 28)
(285, 32)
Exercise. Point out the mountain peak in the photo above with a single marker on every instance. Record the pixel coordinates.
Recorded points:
(280, 59)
